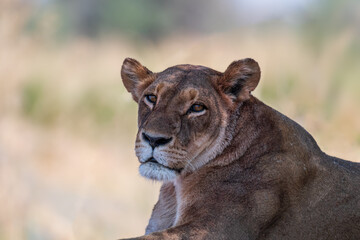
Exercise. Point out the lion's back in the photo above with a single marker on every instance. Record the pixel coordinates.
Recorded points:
(328, 208)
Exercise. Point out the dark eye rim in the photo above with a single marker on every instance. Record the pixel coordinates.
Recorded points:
(147, 96)
(195, 111)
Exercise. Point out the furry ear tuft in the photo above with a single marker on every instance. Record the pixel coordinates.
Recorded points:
(240, 79)
(136, 77)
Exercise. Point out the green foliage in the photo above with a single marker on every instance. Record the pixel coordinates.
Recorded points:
(282, 90)
(32, 95)
(325, 19)
(140, 19)
(38, 103)
(96, 106)
(136, 18)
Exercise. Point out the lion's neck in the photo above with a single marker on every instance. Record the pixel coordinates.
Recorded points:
(261, 130)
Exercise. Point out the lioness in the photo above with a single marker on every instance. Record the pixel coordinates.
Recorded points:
(231, 166)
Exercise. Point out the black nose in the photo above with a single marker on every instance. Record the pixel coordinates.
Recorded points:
(155, 141)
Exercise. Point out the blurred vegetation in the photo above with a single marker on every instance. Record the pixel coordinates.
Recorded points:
(141, 19)
(101, 106)
(327, 18)
(39, 104)
(155, 20)
(67, 125)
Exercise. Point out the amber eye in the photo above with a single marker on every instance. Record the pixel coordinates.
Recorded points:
(197, 108)
(151, 98)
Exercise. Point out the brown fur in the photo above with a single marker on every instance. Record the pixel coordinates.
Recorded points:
(241, 170)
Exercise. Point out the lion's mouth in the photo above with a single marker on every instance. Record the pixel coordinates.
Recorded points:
(152, 160)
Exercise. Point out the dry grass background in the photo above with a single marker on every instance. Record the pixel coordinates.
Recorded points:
(67, 125)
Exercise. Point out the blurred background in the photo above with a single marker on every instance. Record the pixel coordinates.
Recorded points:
(67, 125)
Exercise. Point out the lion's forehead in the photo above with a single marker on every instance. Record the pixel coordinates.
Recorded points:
(180, 82)
(185, 68)
(183, 91)
(187, 73)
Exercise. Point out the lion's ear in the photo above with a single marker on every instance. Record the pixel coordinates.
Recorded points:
(136, 77)
(240, 79)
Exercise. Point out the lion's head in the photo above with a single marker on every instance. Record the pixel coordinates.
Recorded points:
(185, 113)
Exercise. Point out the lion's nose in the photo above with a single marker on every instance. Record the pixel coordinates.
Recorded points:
(155, 141)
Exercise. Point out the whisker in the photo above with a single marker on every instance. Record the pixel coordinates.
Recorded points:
(179, 149)
(176, 155)
(142, 146)
(174, 150)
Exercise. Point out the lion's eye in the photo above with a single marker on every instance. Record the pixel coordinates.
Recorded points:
(151, 98)
(197, 108)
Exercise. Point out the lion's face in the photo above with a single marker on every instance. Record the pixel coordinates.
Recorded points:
(183, 114)
(180, 115)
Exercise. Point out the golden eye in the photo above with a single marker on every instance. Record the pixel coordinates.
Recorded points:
(151, 98)
(197, 108)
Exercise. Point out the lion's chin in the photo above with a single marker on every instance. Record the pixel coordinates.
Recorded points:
(156, 171)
